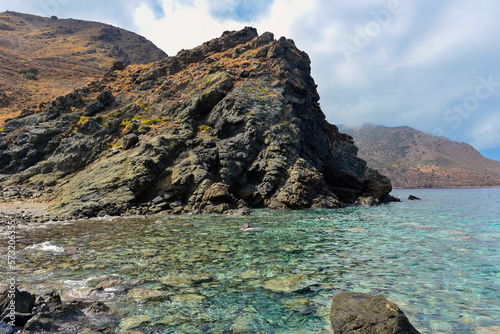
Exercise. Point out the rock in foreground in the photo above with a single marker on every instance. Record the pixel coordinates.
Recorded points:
(353, 313)
(48, 314)
(231, 124)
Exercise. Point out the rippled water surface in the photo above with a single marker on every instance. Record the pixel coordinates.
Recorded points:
(437, 258)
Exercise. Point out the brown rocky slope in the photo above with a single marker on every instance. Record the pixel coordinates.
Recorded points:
(413, 159)
(63, 54)
(233, 123)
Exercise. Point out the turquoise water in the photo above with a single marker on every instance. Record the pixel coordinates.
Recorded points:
(437, 258)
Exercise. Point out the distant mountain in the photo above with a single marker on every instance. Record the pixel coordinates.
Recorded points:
(413, 159)
(42, 58)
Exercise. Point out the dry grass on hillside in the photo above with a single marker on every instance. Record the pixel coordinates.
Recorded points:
(65, 54)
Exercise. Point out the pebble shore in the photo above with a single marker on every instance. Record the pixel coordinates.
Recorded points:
(24, 205)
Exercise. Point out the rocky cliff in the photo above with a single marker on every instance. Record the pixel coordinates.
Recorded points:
(231, 124)
(413, 159)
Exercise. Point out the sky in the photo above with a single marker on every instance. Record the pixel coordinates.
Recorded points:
(431, 65)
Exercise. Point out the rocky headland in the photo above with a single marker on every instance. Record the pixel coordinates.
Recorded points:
(230, 125)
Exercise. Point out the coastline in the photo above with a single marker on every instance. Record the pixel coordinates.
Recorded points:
(33, 209)
(25, 211)
(24, 207)
(469, 187)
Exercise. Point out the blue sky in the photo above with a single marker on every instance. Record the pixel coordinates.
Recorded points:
(431, 65)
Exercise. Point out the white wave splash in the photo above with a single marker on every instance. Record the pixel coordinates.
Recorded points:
(48, 246)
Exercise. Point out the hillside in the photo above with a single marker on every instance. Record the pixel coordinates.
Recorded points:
(63, 53)
(413, 159)
(230, 125)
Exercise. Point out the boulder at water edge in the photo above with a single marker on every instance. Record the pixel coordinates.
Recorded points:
(22, 304)
(361, 313)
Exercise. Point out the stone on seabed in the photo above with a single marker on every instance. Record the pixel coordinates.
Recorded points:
(294, 284)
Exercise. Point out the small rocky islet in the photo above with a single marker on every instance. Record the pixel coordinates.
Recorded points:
(231, 125)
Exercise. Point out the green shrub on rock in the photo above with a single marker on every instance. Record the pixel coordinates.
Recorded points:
(203, 128)
(31, 76)
(30, 73)
(29, 70)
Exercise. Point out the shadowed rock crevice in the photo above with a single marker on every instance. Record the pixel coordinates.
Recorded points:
(231, 124)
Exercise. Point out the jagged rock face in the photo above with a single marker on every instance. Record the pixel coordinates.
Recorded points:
(234, 122)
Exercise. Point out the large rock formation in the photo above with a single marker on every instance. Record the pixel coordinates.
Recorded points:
(234, 122)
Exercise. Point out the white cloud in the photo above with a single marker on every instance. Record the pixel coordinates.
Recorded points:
(189, 24)
(452, 30)
(283, 15)
(486, 133)
(222, 5)
(184, 26)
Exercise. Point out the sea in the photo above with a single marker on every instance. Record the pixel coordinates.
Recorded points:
(437, 258)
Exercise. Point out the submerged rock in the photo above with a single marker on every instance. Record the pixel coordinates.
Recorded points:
(147, 295)
(353, 312)
(177, 282)
(302, 305)
(250, 274)
(487, 330)
(187, 298)
(241, 325)
(134, 322)
(112, 283)
(249, 227)
(202, 278)
(413, 198)
(295, 284)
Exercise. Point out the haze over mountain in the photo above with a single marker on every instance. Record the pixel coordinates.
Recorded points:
(413, 159)
(60, 54)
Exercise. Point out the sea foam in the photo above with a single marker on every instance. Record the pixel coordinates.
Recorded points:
(48, 246)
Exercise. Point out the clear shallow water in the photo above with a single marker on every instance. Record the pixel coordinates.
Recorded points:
(438, 259)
